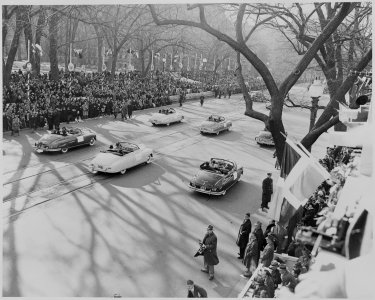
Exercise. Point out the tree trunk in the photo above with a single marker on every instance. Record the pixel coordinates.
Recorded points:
(53, 46)
(67, 43)
(114, 63)
(7, 70)
(19, 52)
(276, 128)
(38, 36)
(29, 36)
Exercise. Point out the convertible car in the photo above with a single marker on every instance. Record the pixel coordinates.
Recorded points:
(216, 176)
(264, 137)
(166, 116)
(215, 124)
(119, 158)
(65, 139)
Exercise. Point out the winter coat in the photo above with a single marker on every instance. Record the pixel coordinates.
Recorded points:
(243, 234)
(198, 292)
(267, 186)
(251, 256)
(267, 255)
(260, 237)
(210, 254)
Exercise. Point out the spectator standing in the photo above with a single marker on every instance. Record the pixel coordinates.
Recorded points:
(260, 236)
(251, 256)
(130, 109)
(195, 291)
(267, 255)
(210, 258)
(16, 125)
(267, 191)
(287, 279)
(275, 273)
(243, 235)
(124, 111)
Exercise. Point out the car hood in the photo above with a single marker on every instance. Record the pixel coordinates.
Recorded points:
(208, 124)
(105, 159)
(206, 177)
(50, 138)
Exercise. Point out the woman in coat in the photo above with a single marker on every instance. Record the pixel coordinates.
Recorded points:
(251, 257)
(267, 255)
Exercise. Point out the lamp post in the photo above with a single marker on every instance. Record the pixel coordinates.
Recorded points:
(315, 92)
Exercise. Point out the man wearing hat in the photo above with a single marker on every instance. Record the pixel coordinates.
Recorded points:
(210, 258)
(275, 273)
(267, 191)
(287, 279)
(243, 235)
(195, 291)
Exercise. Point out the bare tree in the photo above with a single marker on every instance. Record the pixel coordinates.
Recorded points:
(278, 93)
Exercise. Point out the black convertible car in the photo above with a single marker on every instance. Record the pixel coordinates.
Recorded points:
(65, 139)
(216, 176)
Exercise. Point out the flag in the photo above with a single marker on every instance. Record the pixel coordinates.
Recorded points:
(37, 49)
(300, 176)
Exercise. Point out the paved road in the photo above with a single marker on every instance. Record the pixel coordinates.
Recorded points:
(70, 233)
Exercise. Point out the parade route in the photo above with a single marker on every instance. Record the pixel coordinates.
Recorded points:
(70, 233)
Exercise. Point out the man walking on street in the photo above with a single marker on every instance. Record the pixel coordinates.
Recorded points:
(267, 191)
(210, 258)
(243, 235)
(195, 291)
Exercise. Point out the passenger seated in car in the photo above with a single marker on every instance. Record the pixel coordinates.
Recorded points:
(210, 118)
(205, 166)
(64, 132)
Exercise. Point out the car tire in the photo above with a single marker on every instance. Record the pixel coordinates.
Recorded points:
(64, 150)
(149, 159)
(123, 171)
(92, 142)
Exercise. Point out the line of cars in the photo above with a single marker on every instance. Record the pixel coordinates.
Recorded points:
(214, 177)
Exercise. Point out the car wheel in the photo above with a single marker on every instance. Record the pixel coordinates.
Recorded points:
(149, 158)
(92, 142)
(123, 171)
(94, 172)
(64, 150)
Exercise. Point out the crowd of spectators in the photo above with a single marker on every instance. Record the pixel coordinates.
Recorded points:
(315, 216)
(38, 101)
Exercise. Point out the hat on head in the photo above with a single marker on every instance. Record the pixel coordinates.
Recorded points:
(269, 173)
(247, 214)
(190, 282)
(210, 227)
(282, 267)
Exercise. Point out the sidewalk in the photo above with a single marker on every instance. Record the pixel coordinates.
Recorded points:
(175, 103)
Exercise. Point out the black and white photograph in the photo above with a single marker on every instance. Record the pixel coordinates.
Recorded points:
(187, 149)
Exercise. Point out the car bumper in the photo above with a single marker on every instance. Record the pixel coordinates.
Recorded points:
(264, 142)
(209, 192)
(95, 169)
(206, 130)
(41, 150)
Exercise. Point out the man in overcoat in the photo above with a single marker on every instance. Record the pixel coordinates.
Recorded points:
(195, 291)
(243, 235)
(210, 258)
(267, 191)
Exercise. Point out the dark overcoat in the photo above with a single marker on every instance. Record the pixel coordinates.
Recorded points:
(199, 292)
(251, 256)
(243, 234)
(210, 254)
(267, 255)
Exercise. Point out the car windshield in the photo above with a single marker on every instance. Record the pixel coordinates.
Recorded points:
(215, 118)
(167, 111)
(217, 165)
(122, 148)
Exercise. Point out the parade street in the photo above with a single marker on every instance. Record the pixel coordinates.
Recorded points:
(68, 232)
